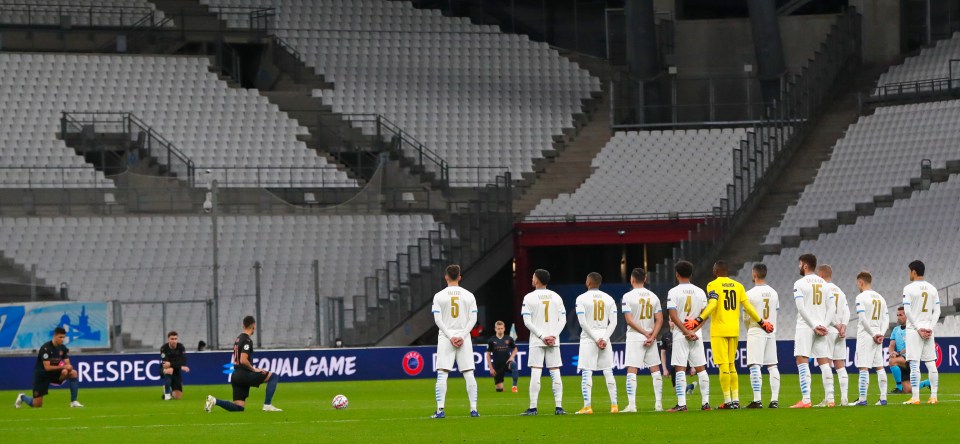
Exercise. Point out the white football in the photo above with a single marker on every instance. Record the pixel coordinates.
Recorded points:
(340, 402)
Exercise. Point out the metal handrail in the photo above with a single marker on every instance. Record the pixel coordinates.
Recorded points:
(425, 156)
(624, 217)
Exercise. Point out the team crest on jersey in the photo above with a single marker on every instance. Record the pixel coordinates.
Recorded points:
(413, 363)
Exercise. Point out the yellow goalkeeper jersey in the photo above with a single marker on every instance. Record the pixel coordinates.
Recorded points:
(725, 297)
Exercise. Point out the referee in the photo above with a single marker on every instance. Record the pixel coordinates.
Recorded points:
(501, 355)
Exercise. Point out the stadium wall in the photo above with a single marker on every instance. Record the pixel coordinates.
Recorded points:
(345, 364)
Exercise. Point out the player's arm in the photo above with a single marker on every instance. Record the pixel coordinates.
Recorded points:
(802, 309)
(863, 317)
(907, 310)
(892, 347)
(584, 324)
(513, 353)
(842, 313)
(612, 325)
(884, 321)
(657, 324)
(438, 319)
(749, 309)
(245, 362)
(676, 321)
(630, 322)
(528, 322)
(489, 359)
(695, 324)
(562, 319)
(936, 312)
(471, 319)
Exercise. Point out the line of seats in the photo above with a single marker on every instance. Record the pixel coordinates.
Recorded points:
(78, 12)
(931, 63)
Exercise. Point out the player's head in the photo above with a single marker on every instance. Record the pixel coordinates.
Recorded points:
(452, 275)
(541, 278)
(916, 270)
(901, 316)
(759, 272)
(59, 335)
(721, 269)
(249, 325)
(499, 328)
(684, 270)
(594, 280)
(864, 280)
(638, 277)
(825, 272)
(172, 338)
(808, 263)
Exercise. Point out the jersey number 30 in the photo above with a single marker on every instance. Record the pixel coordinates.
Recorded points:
(729, 299)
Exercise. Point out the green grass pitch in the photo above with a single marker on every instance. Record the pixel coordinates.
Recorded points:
(382, 411)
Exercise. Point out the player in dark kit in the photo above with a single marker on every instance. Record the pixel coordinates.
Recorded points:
(53, 367)
(173, 355)
(501, 355)
(245, 375)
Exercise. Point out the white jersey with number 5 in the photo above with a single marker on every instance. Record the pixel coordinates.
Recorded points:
(545, 308)
(923, 301)
(765, 299)
(455, 305)
(598, 310)
(817, 301)
(688, 300)
(640, 305)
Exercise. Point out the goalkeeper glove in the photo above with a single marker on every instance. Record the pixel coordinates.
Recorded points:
(693, 323)
(766, 326)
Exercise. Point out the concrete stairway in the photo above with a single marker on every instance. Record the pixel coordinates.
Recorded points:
(19, 284)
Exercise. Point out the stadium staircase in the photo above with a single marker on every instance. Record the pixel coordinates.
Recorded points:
(20, 284)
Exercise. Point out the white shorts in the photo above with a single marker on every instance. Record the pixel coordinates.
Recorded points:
(544, 356)
(869, 353)
(811, 345)
(761, 349)
(447, 355)
(919, 349)
(837, 345)
(687, 353)
(592, 358)
(639, 356)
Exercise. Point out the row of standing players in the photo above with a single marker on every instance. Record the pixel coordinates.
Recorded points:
(823, 314)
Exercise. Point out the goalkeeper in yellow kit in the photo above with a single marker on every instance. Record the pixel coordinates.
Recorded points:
(725, 328)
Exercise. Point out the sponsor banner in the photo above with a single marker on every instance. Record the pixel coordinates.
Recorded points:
(28, 326)
(123, 370)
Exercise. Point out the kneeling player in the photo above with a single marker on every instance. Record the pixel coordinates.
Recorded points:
(597, 313)
(245, 375)
(173, 355)
(641, 310)
(501, 356)
(52, 367)
(762, 346)
(874, 318)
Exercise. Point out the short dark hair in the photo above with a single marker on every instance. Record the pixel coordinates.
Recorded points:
(453, 272)
(684, 269)
(172, 333)
(809, 260)
(918, 267)
(248, 321)
(639, 274)
(542, 275)
(760, 269)
(721, 269)
(900, 308)
(595, 278)
(865, 276)
(59, 331)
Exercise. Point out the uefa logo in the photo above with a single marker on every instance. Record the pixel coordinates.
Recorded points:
(412, 363)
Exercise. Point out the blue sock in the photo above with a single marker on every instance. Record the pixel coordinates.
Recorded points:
(925, 383)
(27, 400)
(74, 389)
(167, 381)
(229, 406)
(897, 377)
(271, 389)
(516, 373)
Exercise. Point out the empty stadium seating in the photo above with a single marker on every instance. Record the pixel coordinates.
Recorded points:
(477, 97)
(653, 172)
(931, 63)
(949, 327)
(878, 153)
(169, 258)
(213, 124)
(78, 12)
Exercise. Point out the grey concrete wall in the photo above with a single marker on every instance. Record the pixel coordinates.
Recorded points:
(881, 30)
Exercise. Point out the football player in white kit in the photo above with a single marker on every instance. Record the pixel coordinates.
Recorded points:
(921, 303)
(837, 333)
(873, 322)
(544, 315)
(455, 312)
(815, 310)
(686, 301)
(641, 310)
(597, 313)
(762, 346)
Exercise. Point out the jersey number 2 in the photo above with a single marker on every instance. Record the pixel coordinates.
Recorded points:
(924, 308)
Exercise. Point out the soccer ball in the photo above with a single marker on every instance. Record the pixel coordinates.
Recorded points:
(340, 402)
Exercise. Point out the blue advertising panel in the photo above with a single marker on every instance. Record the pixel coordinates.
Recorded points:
(122, 370)
(28, 326)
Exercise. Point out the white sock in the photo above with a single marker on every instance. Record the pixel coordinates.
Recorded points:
(657, 387)
(864, 384)
(826, 374)
(441, 389)
(882, 381)
(632, 388)
(804, 370)
(756, 382)
(704, 386)
(844, 383)
(535, 374)
(681, 388)
(586, 387)
(934, 376)
(471, 389)
(915, 380)
(774, 383)
(611, 385)
(557, 386)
